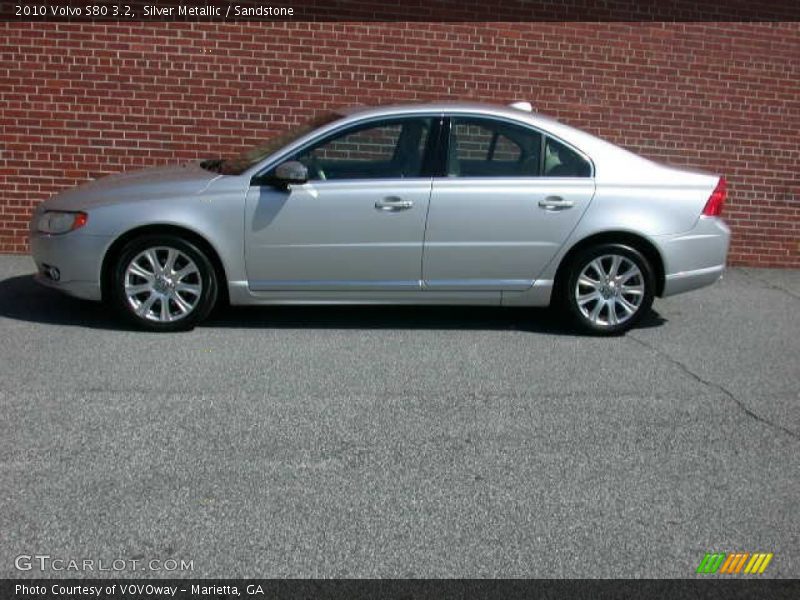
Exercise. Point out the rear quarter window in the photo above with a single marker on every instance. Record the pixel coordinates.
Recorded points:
(561, 161)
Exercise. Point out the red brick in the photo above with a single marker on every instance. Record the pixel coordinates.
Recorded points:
(78, 100)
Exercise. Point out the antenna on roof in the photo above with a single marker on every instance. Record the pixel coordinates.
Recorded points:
(524, 106)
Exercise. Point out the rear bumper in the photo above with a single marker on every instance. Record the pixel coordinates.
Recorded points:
(686, 281)
(70, 263)
(696, 258)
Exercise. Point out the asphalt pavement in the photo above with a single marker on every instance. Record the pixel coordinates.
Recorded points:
(401, 442)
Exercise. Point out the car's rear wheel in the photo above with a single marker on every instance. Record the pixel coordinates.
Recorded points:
(164, 283)
(609, 289)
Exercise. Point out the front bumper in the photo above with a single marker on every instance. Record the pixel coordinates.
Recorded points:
(696, 258)
(70, 263)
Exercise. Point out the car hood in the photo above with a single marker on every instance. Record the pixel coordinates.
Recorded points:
(175, 180)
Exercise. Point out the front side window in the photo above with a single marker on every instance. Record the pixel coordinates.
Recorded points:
(388, 149)
(488, 148)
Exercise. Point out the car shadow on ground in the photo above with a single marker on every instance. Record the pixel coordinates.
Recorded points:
(22, 299)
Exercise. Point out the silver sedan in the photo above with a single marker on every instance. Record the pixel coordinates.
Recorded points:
(416, 204)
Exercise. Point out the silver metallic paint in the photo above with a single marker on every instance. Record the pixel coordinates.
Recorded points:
(478, 241)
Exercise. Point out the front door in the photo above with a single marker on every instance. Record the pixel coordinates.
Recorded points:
(359, 222)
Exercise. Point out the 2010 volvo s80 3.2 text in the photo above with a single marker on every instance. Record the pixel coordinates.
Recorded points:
(417, 204)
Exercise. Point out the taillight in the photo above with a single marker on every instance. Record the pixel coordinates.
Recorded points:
(713, 207)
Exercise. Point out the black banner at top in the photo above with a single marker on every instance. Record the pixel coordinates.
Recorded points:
(400, 10)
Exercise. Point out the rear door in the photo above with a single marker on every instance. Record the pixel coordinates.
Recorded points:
(509, 200)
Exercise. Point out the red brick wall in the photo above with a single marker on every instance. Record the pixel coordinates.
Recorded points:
(78, 100)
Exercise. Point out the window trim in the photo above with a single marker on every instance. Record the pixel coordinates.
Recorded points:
(449, 117)
(429, 157)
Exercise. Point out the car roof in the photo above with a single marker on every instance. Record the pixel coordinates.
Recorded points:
(445, 107)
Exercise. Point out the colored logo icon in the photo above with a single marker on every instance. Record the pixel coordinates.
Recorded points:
(735, 563)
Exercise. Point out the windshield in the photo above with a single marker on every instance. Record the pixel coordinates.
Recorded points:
(240, 164)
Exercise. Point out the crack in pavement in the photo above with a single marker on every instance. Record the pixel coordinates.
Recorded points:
(742, 406)
(770, 285)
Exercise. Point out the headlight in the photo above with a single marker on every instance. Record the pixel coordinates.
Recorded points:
(56, 222)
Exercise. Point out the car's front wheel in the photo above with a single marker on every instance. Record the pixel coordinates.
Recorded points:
(609, 289)
(163, 283)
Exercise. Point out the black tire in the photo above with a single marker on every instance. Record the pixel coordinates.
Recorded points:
(203, 277)
(611, 295)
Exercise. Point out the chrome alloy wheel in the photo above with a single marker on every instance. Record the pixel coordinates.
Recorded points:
(610, 290)
(162, 284)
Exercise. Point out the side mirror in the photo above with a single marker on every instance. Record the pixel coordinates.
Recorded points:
(290, 172)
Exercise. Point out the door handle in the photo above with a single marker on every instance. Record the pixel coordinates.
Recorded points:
(556, 203)
(393, 204)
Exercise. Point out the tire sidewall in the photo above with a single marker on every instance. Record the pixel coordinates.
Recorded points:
(208, 296)
(586, 256)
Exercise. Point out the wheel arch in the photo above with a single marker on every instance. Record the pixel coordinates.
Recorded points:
(636, 241)
(199, 240)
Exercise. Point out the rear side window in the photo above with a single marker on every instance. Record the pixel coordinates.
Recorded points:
(488, 148)
(560, 161)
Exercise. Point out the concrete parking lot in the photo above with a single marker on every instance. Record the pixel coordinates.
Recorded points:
(404, 442)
